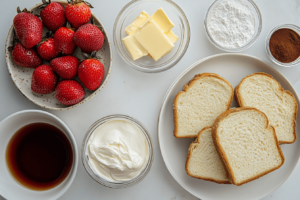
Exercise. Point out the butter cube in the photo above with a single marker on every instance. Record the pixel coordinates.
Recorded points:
(153, 39)
(134, 48)
(162, 20)
(138, 21)
(172, 37)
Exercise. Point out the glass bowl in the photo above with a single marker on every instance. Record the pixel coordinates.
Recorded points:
(274, 60)
(182, 29)
(258, 27)
(103, 181)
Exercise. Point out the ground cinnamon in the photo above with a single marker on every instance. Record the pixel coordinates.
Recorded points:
(285, 45)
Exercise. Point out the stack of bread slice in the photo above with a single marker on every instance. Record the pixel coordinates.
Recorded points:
(234, 145)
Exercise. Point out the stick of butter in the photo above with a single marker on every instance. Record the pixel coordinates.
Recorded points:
(138, 21)
(162, 20)
(153, 39)
(134, 48)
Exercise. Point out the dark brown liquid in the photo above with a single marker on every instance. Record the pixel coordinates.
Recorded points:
(39, 156)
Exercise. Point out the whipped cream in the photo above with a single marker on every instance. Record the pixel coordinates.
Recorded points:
(117, 150)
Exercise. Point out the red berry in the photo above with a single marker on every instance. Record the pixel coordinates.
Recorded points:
(91, 73)
(25, 57)
(69, 92)
(64, 41)
(53, 16)
(43, 80)
(66, 67)
(89, 38)
(46, 49)
(78, 13)
(29, 29)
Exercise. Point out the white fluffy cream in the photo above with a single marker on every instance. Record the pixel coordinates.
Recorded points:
(231, 23)
(117, 150)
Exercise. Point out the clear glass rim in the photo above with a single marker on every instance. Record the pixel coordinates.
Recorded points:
(166, 65)
(246, 46)
(105, 182)
(272, 58)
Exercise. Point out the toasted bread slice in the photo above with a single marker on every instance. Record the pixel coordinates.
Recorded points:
(262, 91)
(203, 161)
(247, 145)
(202, 100)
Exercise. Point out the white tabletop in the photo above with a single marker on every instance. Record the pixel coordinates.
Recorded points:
(140, 95)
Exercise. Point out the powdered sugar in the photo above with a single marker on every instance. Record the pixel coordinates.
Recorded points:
(231, 23)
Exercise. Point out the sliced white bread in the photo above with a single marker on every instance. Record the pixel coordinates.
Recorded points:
(202, 100)
(203, 161)
(246, 144)
(262, 91)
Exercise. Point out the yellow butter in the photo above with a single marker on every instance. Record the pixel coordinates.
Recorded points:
(134, 48)
(172, 37)
(162, 20)
(153, 39)
(138, 21)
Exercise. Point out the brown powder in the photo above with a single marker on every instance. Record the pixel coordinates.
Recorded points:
(285, 45)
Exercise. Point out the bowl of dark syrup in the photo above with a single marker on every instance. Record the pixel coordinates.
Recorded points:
(39, 156)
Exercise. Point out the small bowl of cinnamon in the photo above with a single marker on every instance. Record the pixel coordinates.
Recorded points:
(283, 45)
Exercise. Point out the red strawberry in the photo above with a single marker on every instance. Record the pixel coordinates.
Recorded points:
(69, 92)
(66, 66)
(43, 80)
(28, 27)
(78, 12)
(46, 49)
(53, 15)
(64, 41)
(91, 73)
(89, 38)
(25, 57)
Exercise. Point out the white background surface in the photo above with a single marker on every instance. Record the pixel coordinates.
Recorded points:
(140, 95)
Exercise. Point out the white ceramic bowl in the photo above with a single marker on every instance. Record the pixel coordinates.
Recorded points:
(22, 76)
(11, 189)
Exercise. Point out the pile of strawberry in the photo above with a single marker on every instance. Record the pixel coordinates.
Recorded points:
(32, 48)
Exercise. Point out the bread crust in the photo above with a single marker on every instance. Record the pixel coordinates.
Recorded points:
(188, 161)
(221, 151)
(281, 90)
(185, 89)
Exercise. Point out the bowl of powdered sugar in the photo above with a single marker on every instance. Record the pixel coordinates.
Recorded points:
(233, 25)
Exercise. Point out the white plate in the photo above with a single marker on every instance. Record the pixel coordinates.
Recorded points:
(233, 67)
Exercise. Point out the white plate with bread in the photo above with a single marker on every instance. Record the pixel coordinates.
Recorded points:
(217, 151)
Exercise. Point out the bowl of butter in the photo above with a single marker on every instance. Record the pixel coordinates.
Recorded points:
(151, 36)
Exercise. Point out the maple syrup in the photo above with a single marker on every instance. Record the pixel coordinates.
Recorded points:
(39, 156)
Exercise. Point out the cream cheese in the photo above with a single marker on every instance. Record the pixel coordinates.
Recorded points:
(117, 151)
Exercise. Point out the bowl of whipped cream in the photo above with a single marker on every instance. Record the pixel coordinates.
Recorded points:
(117, 151)
(233, 25)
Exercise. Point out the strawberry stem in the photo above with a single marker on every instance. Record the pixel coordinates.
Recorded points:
(68, 26)
(93, 54)
(46, 1)
(80, 1)
(24, 10)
